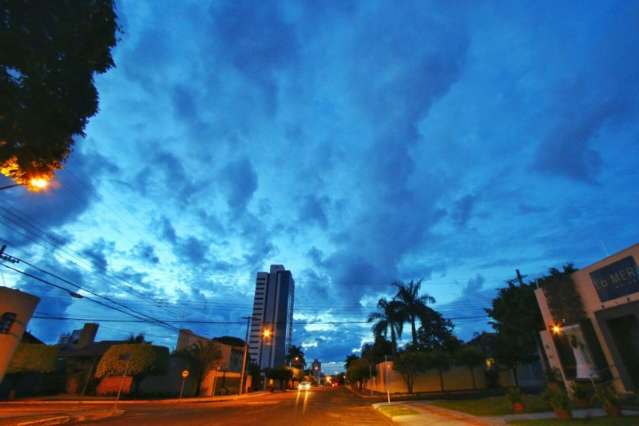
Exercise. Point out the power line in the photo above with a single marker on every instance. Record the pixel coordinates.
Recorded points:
(140, 316)
(81, 288)
(68, 318)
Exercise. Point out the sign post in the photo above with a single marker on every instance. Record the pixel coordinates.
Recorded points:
(185, 375)
(123, 357)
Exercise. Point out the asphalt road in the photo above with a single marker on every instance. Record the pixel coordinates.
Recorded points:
(315, 407)
(325, 407)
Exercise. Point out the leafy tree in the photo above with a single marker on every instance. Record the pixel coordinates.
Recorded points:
(133, 359)
(376, 352)
(358, 371)
(205, 355)
(409, 364)
(439, 360)
(470, 357)
(388, 320)
(436, 332)
(349, 360)
(33, 358)
(564, 301)
(411, 304)
(517, 321)
(281, 374)
(295, 357)
(49, 53)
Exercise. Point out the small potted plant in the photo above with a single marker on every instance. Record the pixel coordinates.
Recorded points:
(609, 399)
(582, 394)
(559, 401)
(516, 399)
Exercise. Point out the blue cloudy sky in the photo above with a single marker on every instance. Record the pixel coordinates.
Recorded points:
(355, 142)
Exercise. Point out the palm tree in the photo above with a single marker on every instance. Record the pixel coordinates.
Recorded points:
(411, 304)
(295, 356)
(388, 320)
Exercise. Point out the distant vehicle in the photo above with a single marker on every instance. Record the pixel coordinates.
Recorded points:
(304, 386)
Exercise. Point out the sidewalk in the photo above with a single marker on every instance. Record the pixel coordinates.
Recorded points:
(413, 413)
(111, 400)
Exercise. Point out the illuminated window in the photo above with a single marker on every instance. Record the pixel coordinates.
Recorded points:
(8, 318)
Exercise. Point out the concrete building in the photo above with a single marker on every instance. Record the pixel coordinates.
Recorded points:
(16, 308)
(225, 376)
(272, 319)
(604, 345)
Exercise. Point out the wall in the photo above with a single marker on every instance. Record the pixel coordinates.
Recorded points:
(457, 378)
(23, 305)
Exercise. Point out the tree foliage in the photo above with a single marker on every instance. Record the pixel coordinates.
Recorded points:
(281, 374)
(388, 321)
(295, 357)
(409, 364)
(358, 370)
(33, 358)
(49, 53)
(133, 359)
(470, 357)
(562, 297)
(349, 360)
(436, 332)
(411, 305)
(377, 351)
(517, 320)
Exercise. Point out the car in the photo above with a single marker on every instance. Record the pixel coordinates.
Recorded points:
(304, 386)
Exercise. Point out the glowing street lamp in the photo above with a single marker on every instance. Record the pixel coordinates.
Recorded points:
(267, 333)
(556, 329)
(35, 184)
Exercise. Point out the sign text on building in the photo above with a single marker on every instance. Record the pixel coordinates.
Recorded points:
(617, 279)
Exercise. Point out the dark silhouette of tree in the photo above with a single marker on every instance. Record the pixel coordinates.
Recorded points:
(517, 321)
(470, 357)
(436, 332)
(376, 351)
(564, 301)
(389, 320)
(137, 338)
(295, 357)
(49, 53)
(281, 374)
(409, 364)
(411, 304)
(439, 360)
(349, 360)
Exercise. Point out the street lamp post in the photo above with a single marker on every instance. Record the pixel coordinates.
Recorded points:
(123, 357)
(35, 184)
(244, 355)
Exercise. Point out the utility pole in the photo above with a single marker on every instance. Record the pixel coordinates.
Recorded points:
(244, 356)
(520, 278)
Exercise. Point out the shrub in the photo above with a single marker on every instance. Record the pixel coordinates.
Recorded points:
(143, 359)
(514, 395)
(33, 358)
(558, 399)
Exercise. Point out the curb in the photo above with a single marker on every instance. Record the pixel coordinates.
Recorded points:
(58, 420)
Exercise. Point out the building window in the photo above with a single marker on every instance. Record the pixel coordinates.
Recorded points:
(8, 318)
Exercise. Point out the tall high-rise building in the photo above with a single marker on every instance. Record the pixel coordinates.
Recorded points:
(272, 320)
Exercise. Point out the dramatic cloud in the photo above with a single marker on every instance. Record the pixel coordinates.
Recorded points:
(356, 143)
